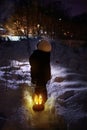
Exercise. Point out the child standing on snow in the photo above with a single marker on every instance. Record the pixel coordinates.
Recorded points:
(40, 66)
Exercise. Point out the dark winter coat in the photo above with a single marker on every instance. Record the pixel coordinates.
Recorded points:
(40, 67)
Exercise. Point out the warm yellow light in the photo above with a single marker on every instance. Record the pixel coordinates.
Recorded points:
(38, 100)
(38, 103)
(65, 33)
(38, 25)
(22, 30)
(28, 101)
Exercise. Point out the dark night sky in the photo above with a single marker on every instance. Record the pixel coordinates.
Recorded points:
(76, 6)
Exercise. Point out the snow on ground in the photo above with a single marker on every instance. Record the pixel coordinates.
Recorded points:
(69, 84)
(67, 90)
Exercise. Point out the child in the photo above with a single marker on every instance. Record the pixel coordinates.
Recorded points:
(40, 66)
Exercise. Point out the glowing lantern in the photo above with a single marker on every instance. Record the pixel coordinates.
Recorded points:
(38, 103)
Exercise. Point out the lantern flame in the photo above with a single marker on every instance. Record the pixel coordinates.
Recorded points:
(38, 100)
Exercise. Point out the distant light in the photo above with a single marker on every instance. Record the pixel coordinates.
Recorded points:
(41, 31)
(22, 30)
(38, 25)
(60, 19)
(65, 33)
(45, 32)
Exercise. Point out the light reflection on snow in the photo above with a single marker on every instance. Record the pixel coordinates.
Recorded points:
(46, 117)
(57, 70)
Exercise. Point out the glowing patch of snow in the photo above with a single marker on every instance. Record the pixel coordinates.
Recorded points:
(14, 38)
(58, 70)
(47, 115)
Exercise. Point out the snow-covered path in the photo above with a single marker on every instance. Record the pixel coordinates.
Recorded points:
(67, 90)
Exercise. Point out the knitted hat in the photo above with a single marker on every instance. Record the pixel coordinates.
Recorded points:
(44, 45)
